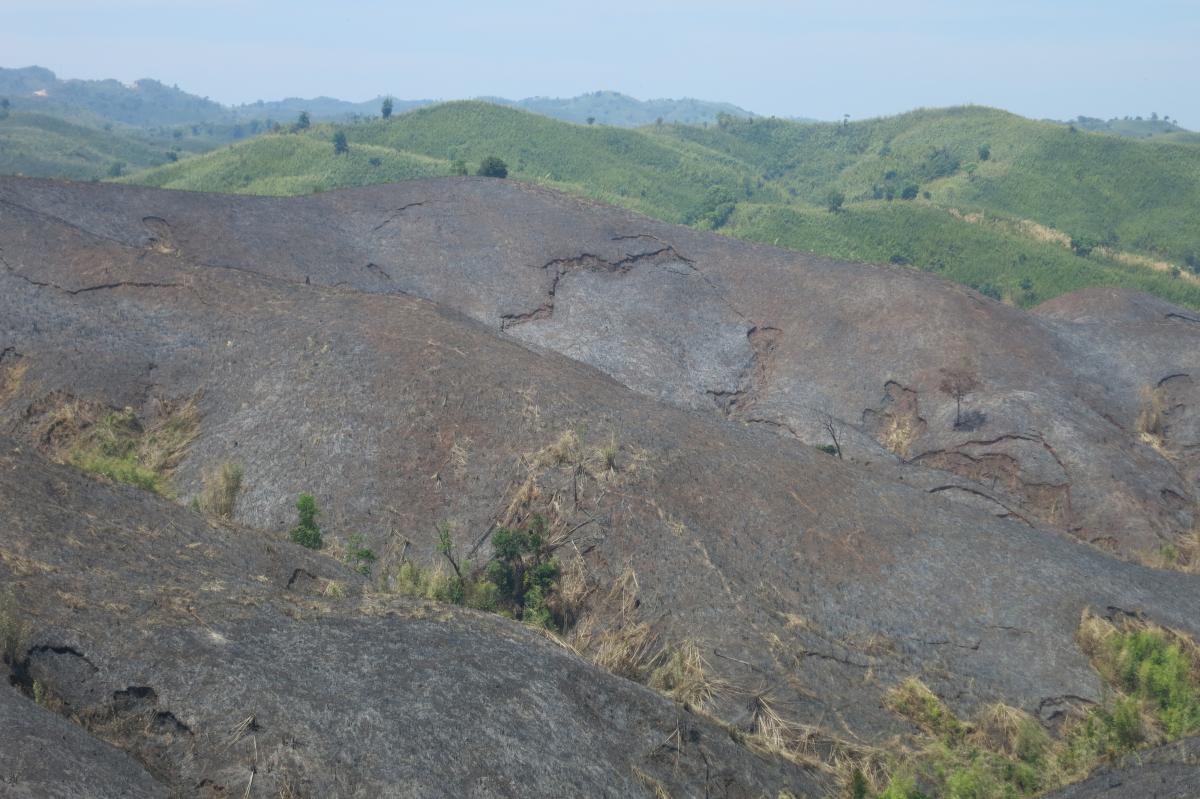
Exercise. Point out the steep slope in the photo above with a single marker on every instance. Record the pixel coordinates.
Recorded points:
(290, 687)
(48, 757)
(1055, 433)
(810, 580)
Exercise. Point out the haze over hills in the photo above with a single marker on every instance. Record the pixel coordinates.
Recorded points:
(149, 103)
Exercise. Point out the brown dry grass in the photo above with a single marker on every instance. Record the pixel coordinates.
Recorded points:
(682, 674)
(625, 645)
(221, 485)
(1151, 420)
(11, 379)
(899, 434)
(15, 629)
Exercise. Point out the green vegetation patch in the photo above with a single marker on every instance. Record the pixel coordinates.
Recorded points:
(117, 446)
(521, 580)
(1154, 698)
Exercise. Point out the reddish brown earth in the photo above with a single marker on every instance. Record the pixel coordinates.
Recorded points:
(413, 354)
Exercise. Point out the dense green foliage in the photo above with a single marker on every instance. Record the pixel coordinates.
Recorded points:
(524, 573)
(492, 167)
(307, 533)
(979, 195)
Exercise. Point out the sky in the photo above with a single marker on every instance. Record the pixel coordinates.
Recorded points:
(1047, 59)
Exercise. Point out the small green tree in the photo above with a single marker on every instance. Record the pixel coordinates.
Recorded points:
(910, 192)
(307, 533)
(492, 167)
(386, 109)
(834, 201)
(459, 167)
(524, 572)
(303, 122)
(1083, 245)
(985, 153)
(340, 147)
(591, 120)
(358, 556)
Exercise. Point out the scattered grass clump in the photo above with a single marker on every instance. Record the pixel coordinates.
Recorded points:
(1151, 422)
(14, 630)
(358, 556)
(219, 493)
(1154, 676)
(117, 446)
(521, 580)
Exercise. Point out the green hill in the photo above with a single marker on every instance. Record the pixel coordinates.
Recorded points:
(43, 145)
(1023, 210)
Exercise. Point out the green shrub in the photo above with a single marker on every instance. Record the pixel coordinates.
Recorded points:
(492, 167)
(524, 573)
(358, 556)
(307, 533)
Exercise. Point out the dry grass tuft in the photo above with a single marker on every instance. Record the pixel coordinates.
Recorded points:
(220, 489)
(573, 589)
(999, 728)
(682, 674)
(14, 629)
(334, 589)
(565, 449)
(651, 784)
(1092, 633)
(626, 646)
(899, 434)
(1151, 423)
(11, 379)
(913, 700)
(165, 442)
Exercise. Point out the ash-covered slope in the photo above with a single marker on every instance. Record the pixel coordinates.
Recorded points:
(221, 660)
(1083, 425)
(818, 582)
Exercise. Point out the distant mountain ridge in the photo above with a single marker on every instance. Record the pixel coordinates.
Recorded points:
(149, 103)
(615, 108)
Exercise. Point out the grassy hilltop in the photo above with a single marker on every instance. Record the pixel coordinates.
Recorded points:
(1023, 210)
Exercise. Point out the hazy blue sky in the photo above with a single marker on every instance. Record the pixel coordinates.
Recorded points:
(1053, 58)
